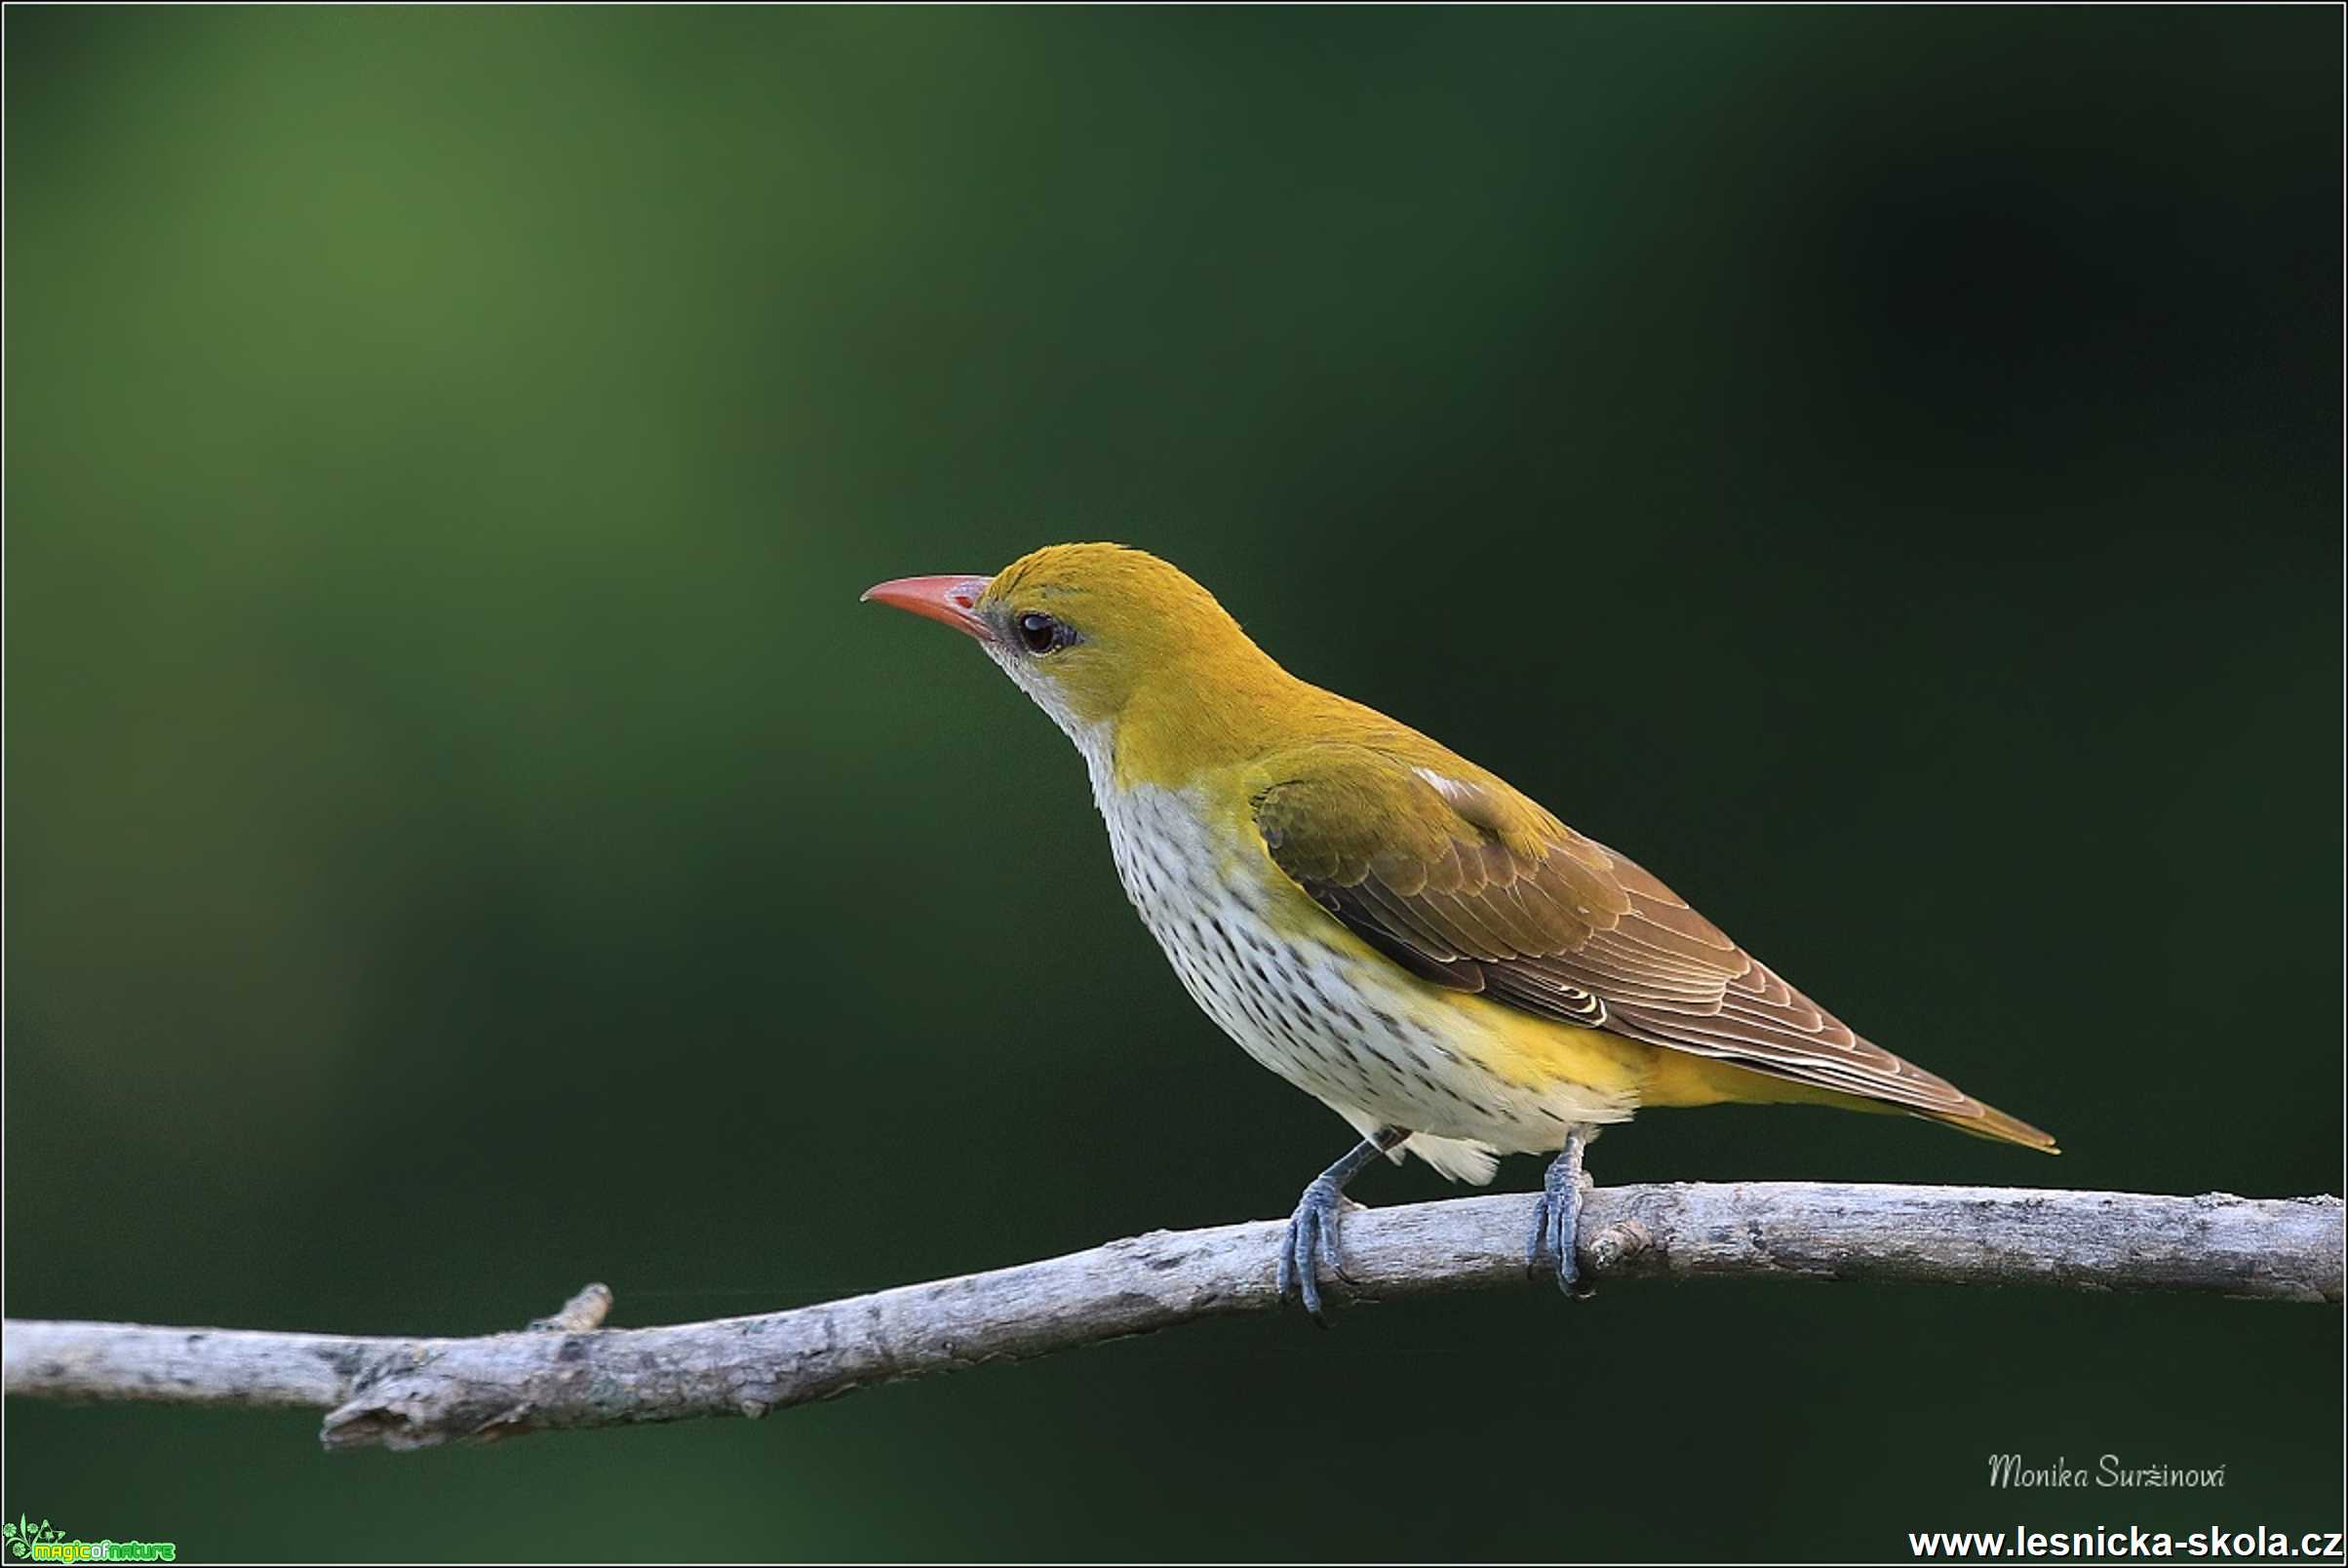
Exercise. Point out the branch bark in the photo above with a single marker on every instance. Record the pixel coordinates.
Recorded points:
(400, 1393)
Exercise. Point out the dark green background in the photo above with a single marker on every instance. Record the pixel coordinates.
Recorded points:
(1878, 467)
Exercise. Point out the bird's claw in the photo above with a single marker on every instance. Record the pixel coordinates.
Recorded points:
(1311, 1242)
(1557, 1224)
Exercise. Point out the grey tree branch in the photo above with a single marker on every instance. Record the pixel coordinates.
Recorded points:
(566, 1371)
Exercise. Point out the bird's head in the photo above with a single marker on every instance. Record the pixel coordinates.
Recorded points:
(1105, 638)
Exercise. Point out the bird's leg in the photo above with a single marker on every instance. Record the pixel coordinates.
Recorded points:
(1557, 1219)
(1312, 1229)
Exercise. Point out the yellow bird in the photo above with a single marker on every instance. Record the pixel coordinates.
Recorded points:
(1390, 927)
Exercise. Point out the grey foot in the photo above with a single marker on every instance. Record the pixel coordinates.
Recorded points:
(1557, 1221)
(1312, 1239)
(1312, 1229)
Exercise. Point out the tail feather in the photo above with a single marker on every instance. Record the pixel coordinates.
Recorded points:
(1988, 1122)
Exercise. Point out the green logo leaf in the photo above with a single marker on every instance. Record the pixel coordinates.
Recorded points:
(23, 1535)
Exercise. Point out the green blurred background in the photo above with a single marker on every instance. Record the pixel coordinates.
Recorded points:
(1879, 467)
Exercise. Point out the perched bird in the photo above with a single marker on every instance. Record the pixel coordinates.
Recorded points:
(1390, 927)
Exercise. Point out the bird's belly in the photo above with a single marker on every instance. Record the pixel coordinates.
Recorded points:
(1335, 1018)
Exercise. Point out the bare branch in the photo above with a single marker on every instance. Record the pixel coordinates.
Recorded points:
(417, 1392)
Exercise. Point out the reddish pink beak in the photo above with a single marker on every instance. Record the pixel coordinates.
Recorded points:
(952, 599)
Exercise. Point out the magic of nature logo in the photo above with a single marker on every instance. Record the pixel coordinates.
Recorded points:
(42, 1542)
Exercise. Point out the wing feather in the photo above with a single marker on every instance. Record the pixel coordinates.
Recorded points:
(1470, 885)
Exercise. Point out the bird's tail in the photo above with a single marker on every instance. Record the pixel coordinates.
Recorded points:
(1988, 1122)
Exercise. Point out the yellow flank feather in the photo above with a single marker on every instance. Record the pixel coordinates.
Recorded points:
(1535, 1051)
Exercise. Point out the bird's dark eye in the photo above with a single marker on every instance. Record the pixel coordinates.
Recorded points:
(1042, 633)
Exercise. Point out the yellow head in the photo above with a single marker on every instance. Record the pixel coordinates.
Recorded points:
(1129, 656)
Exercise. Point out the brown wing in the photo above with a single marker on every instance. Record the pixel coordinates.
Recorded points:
(1467, 884)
